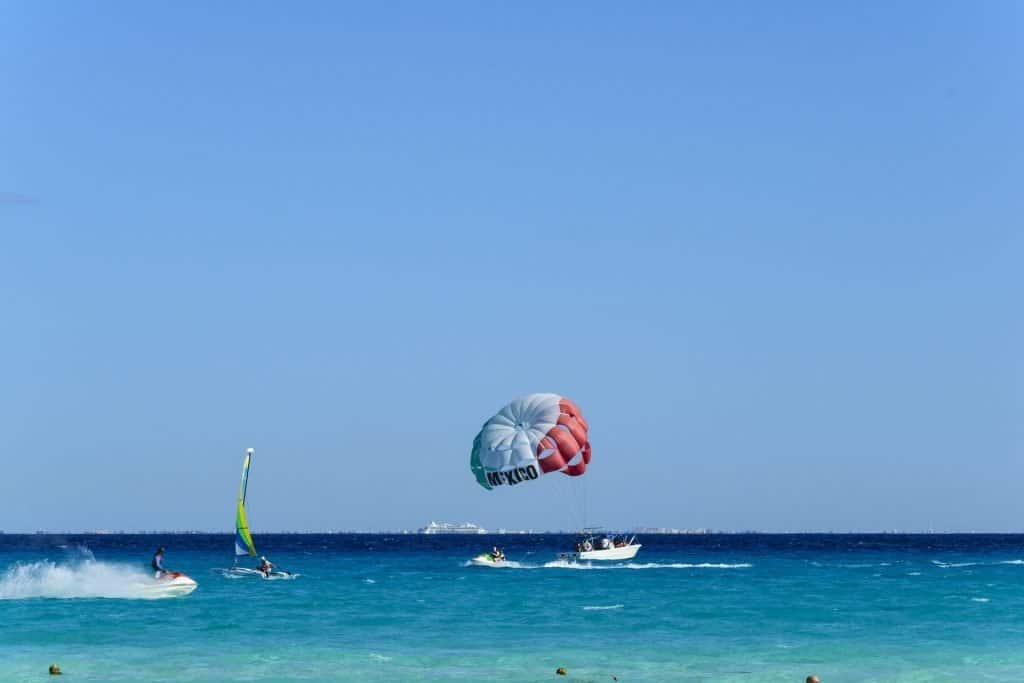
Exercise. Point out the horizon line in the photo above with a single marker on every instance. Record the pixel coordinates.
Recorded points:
(515, 532)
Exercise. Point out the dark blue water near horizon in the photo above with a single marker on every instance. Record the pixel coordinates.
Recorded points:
(407, 607)
(400, 542)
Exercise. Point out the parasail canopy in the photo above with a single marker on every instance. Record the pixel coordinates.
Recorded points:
(533, 435)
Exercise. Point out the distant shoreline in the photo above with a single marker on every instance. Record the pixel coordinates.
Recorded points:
(512, 533)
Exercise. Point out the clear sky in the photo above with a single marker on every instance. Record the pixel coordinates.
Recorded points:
(775, 251)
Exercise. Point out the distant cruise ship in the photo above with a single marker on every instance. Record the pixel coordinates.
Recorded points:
(446, 528)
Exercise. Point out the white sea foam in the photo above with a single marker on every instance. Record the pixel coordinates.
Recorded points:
(86, 578)
(234, 573)
(369, 581)
(979, 599)
(953, 565)
(567, 564)
(683, 565)
(507, 564)
(228, 574)
(601, 608)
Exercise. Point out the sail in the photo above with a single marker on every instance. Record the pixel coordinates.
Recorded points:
(243, 539)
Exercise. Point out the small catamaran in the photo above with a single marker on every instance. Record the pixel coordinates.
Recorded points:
(244, 545)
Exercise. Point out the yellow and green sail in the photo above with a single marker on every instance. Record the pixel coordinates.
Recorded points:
(243, 539)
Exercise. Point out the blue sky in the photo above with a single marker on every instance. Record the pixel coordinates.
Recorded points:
(773, 252)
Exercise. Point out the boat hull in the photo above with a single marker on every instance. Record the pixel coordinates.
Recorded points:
(626, 552)
(256, 573)
(173, 585)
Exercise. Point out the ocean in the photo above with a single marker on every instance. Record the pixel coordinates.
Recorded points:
(408, 608)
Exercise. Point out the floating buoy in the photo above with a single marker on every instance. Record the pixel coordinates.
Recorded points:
(55, 670)
(561, 671)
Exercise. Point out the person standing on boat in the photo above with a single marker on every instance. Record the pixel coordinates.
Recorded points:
(158, 563)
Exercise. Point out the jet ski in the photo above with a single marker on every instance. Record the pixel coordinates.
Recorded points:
(170, 585)
(487, 560)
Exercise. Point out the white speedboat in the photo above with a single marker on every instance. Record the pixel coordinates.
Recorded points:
(625, 552)
(170, 585)
(604, 548)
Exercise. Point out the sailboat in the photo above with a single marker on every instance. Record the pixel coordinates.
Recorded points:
(244, 545)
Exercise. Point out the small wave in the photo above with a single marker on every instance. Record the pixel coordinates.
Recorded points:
(379, 658)
(913, 573)
(601, 608)
(682, 565)
(234, 573)
(507, 564)
(228, 574)
(84, 579)
(953, 565)
(567, 564)
(369, 581)
(980, 600)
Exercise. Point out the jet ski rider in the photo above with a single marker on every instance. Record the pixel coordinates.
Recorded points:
(158, 563)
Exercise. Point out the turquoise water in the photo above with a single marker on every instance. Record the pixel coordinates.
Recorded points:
(406, 608)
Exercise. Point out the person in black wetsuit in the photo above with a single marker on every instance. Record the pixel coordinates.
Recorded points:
(158, 563)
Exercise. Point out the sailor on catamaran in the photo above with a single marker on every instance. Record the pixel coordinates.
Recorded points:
(265, 566)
